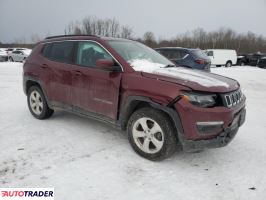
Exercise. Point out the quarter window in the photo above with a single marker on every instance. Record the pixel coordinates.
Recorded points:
(89, 52)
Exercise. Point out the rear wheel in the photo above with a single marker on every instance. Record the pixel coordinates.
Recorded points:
(10, 59)
(228, 64)
(151, 134)
(37, 103)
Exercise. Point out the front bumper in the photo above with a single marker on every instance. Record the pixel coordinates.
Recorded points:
(221, 140)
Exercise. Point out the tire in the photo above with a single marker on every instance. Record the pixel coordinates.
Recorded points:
(152, 144)
(10, 59)
(242, 64)
(228, 64)
(37, 103)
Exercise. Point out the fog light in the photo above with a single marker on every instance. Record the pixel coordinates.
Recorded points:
(209, 127)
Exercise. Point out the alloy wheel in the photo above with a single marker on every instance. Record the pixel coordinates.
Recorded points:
(36, 102)
(148, 135)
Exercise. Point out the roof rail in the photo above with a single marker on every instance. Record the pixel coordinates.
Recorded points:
(58, 36)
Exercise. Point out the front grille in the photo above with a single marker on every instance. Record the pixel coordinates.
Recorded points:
(233, 98)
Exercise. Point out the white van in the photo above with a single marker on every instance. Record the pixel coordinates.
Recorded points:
(219, 57)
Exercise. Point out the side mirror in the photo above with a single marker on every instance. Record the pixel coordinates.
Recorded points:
(107, 65)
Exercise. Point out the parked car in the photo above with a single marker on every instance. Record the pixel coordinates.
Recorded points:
(3, 55)
(254, 58)
(134, 88)
(18, 55)
(10, 50)
(191, 58)
(262, 62)
(222, 57)
(242, 59)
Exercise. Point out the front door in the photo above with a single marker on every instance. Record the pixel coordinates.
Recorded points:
(93, 89)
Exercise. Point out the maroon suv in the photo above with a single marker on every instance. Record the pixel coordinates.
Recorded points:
(131, 86)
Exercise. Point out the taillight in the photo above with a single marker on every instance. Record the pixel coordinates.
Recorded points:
(201, 62)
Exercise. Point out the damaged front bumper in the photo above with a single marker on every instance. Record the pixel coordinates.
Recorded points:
(224, 138)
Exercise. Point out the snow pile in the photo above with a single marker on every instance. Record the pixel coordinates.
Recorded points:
(145, 65)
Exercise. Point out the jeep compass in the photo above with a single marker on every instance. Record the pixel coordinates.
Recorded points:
(130, 86)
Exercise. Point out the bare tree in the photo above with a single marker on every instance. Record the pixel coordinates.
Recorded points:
(126, 32)
(197, 38)
(149, 39)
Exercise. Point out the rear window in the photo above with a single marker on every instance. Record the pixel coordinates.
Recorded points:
(200, 54)
(174, 54)
(59, 51)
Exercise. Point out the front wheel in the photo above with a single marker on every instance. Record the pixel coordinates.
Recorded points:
(151, 134)
(37, 103)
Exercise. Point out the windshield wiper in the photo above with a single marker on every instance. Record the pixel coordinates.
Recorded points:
(170, 65)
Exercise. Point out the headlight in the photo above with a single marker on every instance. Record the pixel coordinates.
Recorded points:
(201, 100)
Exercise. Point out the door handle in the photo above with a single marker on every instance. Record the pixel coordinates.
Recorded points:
(44, 66)
(77, 73)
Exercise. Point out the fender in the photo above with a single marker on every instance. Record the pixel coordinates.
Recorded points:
(132, 102)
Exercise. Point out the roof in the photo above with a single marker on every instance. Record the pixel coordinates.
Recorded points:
(81, 37)
(63, 36)
(172, 48)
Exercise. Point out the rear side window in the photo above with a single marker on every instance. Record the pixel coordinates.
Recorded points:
(59, 51)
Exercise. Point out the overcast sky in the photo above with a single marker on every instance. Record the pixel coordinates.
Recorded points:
(166, 18)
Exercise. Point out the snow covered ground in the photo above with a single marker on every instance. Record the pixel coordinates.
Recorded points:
(85, 159)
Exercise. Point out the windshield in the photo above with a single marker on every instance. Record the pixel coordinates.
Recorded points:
(139, 56)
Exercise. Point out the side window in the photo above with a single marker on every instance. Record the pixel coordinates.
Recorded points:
(163, 52)
(16, 52)
(175, 54)
(89, 52)
(210, 53)
(62, 51)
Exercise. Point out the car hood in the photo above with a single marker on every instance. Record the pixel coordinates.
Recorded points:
(194, 79)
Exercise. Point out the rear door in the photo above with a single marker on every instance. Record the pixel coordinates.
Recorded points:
(93, 89)
(58, 65)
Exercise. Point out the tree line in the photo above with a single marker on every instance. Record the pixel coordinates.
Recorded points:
(223, 38)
